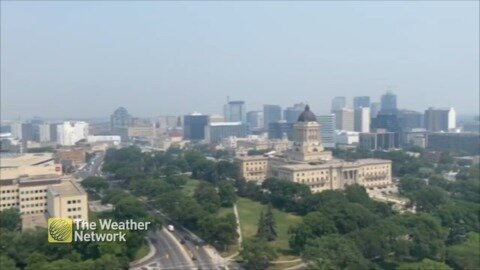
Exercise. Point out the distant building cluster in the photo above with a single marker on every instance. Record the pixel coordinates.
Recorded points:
(307, 162)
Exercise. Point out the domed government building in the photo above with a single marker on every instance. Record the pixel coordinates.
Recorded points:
(307, 162)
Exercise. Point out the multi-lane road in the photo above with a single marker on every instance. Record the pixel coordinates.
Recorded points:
(93, 168)
(179, 249)
(169, 254)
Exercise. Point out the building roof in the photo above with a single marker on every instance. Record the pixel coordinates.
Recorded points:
(333, 163)
(226, 124)
(307, 116)
(24, 159)
(67, 188)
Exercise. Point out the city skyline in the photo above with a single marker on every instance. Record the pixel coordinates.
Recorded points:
(69, 60)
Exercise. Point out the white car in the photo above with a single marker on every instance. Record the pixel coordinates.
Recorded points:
(170, 228)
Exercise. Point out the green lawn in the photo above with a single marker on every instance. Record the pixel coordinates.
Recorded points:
(249, 212)
(142, 252)
(189, 188)
(224, 211)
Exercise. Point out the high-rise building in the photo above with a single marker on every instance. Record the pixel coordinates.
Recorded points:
(378, 140)
(70, 133)
(44, 132)
(362, 119)
(47, 132)
(327, 129)
(23, 131)
(234, 111)
(363, 101)
(338, 103)
(255, 119)
(194, 126)
(374, 109)
(120, 119)
(387, 120)
(280, 130)
(271, 114)
(388, 102)
(216, 132)
(410, 120)
(344, 119)
(167, 122)
(291, 114)
(440, 119)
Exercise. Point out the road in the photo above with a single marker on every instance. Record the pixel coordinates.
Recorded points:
(169, 254)
(197, 248)
(91, 169)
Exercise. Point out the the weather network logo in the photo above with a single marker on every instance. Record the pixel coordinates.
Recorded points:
(60, 230)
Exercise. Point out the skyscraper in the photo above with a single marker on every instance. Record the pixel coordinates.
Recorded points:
(234, 111)
(410, 120)
(279, 129)
(389, 102)
(120, 119)
(327, 129)
(255, 119)
(344, 119)
(440, 119)
(338, 103)
(363, 101)
(194, 126)
(374, 109)
(291, 114)
(271, 114)
(23, 131)
(362, 119)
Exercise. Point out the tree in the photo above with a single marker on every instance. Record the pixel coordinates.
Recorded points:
(409, 185)
(220, 231)
(267, 229)
(10, 219)
(270, 224)
(261, 230)
(7, 263)
(94, 184)
(358, 194)
(334, 252)
(299, 235)
(207, 196)
(177, 180)
(425, 234)
(227, 194)
(429, 198)
(465, 255)
(257, 254)
(319, 224)
(425, 264)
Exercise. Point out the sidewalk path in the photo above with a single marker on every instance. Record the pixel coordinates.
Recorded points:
(150, 254)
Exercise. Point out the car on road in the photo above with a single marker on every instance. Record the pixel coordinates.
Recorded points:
(170, 228)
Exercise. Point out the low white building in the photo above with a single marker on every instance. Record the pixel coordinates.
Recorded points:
(346, 138)
(114, 139)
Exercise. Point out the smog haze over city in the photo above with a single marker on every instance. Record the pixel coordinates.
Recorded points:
(239, 135)
(83, 59)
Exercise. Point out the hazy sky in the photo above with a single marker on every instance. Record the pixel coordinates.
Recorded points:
(85, 58)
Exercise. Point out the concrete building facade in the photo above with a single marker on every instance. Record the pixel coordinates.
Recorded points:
(362, 119)
(344, 119)
(216, 132)
(440, 119)
(70, 133)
